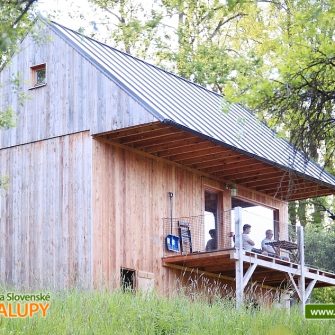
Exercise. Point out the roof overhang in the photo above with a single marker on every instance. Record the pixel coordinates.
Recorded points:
(222, 162)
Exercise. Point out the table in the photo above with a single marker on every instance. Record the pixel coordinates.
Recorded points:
(287, 245)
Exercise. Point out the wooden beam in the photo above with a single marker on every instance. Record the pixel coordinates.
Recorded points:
(282, 189)
(206, 155)
(258, 177)
(246, 167)
(271, 265)
(309, 289)
(196, 271)
(190, 151)
(171, 144)
(294, 285)
(305, 196)
(153, 134)
(156, 140)
(311, 193)
(248, 274)
(226, 160)
(286, 183)
(242, 170)
(210, 275)
(212, 157)
(131, 130)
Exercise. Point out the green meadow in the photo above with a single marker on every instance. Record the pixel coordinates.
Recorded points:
(78, 312)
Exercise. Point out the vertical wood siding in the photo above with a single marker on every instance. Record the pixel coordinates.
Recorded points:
(129, 201)
(45, 220)
(77, 96)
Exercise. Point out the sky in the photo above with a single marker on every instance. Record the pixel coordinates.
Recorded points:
(81, 15)
(74, 14)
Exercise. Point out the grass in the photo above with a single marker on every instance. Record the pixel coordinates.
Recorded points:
(77, 312)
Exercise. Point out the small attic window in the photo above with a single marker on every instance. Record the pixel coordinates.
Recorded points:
(38, 75)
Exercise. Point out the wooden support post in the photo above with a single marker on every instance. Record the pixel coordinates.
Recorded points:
(295, 285)
(239, 261)
(309, 289)
(248, 274)
(302, 287)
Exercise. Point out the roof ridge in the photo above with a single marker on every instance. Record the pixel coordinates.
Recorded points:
(138, 59)
(298, 162)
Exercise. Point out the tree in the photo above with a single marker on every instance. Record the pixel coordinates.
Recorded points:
(319, 247)
(14, 24)
(292, 86)
(276, 57)
(132, 29)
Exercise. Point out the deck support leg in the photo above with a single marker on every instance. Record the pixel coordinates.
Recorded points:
(239, 287)
(309, 289)
(295, 285)
(302, 285)
(248, 274)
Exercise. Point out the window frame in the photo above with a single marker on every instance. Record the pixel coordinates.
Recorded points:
(33, 75)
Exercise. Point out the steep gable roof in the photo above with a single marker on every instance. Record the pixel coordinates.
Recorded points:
(177, 101)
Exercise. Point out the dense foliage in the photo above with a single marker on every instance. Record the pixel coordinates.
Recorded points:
(14, 22)
(276, 57)
(319, 247)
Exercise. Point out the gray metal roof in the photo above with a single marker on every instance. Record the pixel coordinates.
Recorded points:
(172, 99)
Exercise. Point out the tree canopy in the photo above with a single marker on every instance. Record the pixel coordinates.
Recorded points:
(14, 24)
(276, 57)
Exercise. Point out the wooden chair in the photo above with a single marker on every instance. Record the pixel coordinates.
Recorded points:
(185, 237)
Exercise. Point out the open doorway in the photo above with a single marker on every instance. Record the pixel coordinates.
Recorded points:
(211, 225)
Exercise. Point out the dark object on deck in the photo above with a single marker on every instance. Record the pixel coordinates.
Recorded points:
(287, 245)
(185, 237)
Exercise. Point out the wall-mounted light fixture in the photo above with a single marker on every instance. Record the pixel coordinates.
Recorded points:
(232, 188)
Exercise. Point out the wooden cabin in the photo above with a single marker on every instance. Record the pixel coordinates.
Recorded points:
(112, 158)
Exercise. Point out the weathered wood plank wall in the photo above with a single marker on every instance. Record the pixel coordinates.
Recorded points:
(50, 236)
(129, 201)
(77, 96)
(45, 215)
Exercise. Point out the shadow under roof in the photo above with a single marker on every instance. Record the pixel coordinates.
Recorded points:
(177, 102)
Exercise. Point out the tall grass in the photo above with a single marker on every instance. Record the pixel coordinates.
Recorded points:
(77, 312)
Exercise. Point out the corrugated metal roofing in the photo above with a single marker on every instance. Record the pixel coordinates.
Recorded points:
(172, 99)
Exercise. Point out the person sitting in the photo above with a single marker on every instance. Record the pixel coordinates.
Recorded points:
(269, 249)
(212, 243)
(247, 242)
(266, 247)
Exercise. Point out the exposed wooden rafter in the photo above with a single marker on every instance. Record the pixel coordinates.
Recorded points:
(222, 162)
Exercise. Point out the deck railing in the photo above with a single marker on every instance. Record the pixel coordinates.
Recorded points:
(191, 234)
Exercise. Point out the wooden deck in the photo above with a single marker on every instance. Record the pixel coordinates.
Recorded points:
(268, 271)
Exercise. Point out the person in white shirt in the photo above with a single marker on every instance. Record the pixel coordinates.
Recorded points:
(247, 242)
(268, 248)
